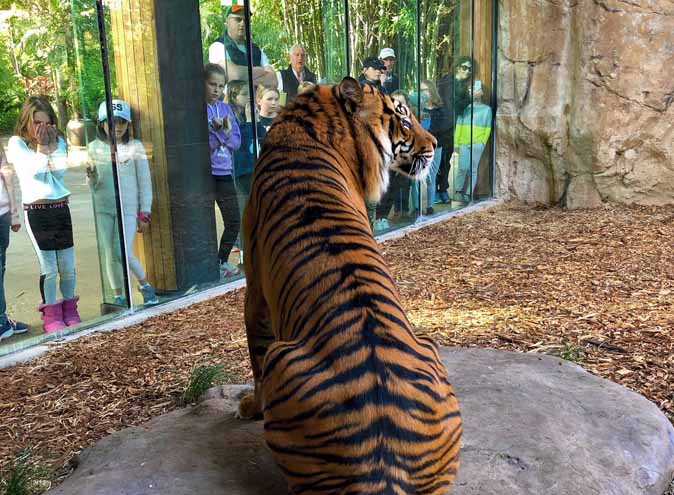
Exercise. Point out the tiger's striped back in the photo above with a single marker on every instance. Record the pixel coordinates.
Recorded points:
(353, 401)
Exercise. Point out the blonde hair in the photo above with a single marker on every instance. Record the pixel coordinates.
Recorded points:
(262, 91)
(305, 86)
(434, 101)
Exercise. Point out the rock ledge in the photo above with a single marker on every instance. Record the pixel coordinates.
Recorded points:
(533, 425)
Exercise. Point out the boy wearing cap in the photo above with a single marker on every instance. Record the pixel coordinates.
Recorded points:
(372, 71)
(389, 79)
(230, 52)
(135, 189)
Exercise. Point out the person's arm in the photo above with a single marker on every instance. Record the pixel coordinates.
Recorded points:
(58, 159)
(26, 161)
(279, 81)
(265, 76)
(144, 178)
(9, 178)
(233, 138)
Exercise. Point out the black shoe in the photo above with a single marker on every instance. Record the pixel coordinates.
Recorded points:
(430, 210)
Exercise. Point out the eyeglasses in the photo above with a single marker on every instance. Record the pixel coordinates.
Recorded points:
(465, 67)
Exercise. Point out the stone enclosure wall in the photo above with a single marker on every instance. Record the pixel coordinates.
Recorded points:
(586, 91)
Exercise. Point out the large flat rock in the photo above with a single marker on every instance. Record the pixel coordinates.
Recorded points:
(534, 425)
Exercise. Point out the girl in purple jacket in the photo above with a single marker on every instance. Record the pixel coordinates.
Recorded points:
(224, 138)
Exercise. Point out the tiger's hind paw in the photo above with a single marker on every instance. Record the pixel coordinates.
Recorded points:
(249, 408)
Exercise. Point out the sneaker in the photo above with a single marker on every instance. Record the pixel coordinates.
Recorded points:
(381, 225)
(149, 295)
(228, 270)
(18, 326)
(120, 301)
(6, 330)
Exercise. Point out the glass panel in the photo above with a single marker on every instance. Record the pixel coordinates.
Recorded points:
(482, 106)
(464, 69)
(387, 31)
(59, 56)
(334, 46)
(438, 26)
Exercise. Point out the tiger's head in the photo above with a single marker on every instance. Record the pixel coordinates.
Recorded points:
(389, 137)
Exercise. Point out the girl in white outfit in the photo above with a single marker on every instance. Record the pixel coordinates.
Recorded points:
(135, 184)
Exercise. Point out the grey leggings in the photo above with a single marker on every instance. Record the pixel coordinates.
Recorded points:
(54, 263)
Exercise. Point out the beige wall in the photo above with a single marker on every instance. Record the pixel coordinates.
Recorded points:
(585, 102)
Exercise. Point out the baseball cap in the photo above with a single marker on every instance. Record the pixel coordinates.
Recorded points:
(120, 109)
(234, 9)
(387, 53)
(373, 62)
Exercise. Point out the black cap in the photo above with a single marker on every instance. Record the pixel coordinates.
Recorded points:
(373, 62)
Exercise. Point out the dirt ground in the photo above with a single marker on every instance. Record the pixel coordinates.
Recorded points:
(595, 287)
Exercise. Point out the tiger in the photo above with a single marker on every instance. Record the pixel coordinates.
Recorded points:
(353, 402)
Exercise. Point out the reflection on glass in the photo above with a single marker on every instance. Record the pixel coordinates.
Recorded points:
(224, 139)
(334, 45)
(473, 128)
(135, 189)
(436, 58)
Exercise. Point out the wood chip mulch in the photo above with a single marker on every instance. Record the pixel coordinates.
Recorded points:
(593, 286)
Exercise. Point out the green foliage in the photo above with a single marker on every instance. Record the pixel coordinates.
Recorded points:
(268, 32)
(571, 352)
(11, 89)
(212, 23)
(23, 475)
(202, 378)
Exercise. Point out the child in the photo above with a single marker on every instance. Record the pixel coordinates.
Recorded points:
(471, 133)
(38, 153)
(238, 97)
(224, 137)
(267, 100)
(135, 189)
(9, 216)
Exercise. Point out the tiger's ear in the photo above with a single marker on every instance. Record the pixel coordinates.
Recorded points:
(351, 93)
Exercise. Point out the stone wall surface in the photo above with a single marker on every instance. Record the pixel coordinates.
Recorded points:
(586, 92)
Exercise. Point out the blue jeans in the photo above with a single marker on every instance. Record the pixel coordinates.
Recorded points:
(468, 165)
(5, 221)
(430, 182)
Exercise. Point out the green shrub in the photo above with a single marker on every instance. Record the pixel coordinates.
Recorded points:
(203, 378)
(23, 475)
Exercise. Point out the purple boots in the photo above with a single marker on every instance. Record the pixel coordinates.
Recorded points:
(70, 314)
(52, 317)
(59, 315)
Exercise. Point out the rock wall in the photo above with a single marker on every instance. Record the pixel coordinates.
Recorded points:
(586, 91)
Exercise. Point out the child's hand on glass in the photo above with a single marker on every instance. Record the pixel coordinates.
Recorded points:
(143, 223)
(92, 172)
(16, 227)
